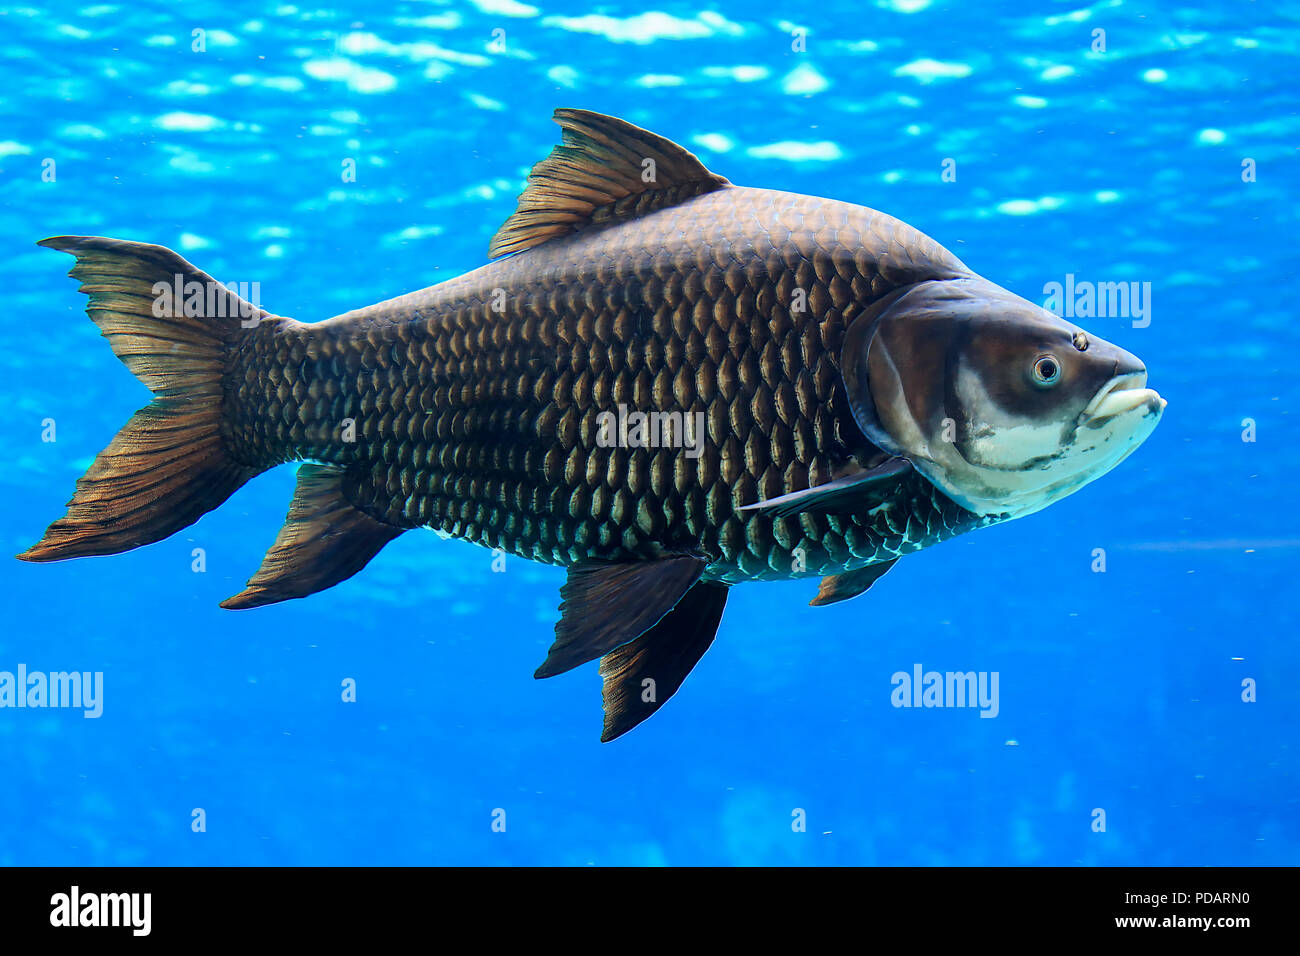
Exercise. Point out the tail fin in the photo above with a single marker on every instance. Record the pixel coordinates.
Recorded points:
(169, 465)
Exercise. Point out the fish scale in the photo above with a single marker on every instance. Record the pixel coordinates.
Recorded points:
(484, 424)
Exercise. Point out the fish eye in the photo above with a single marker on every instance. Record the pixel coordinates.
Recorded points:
(1047, 370)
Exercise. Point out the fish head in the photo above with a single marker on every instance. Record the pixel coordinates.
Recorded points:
(1004, 406)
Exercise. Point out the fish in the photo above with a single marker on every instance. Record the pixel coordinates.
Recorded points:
(664, 383)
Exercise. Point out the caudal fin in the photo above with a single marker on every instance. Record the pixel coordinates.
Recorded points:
(169, 465)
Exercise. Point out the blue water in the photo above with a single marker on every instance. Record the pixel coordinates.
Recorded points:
(1119, 691)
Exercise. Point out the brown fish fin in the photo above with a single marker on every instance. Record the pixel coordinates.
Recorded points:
(841, 587)
(665, 654)
(605, 605)
(169, 465)
(838, 495)
(326, 539)
(605, 169)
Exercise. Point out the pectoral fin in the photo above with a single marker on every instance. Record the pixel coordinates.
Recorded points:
(326, 539)
(606, 605)
(642, 675)
(841, 587)
(837, 495)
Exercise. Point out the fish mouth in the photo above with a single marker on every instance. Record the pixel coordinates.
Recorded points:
(1121, 394)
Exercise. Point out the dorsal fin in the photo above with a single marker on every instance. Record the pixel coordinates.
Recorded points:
(600, 173)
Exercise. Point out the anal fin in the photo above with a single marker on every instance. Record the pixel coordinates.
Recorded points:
(841, 587)
(325, 539)
(605, 605)
(665, 654)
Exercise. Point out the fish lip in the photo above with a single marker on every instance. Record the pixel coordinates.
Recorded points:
(1121, 394)
(1119, 383)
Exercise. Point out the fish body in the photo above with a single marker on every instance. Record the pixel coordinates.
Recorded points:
(814, 388)
(485, 424)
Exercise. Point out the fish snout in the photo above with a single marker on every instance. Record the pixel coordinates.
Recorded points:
(1125, 390)
(1121, 362)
